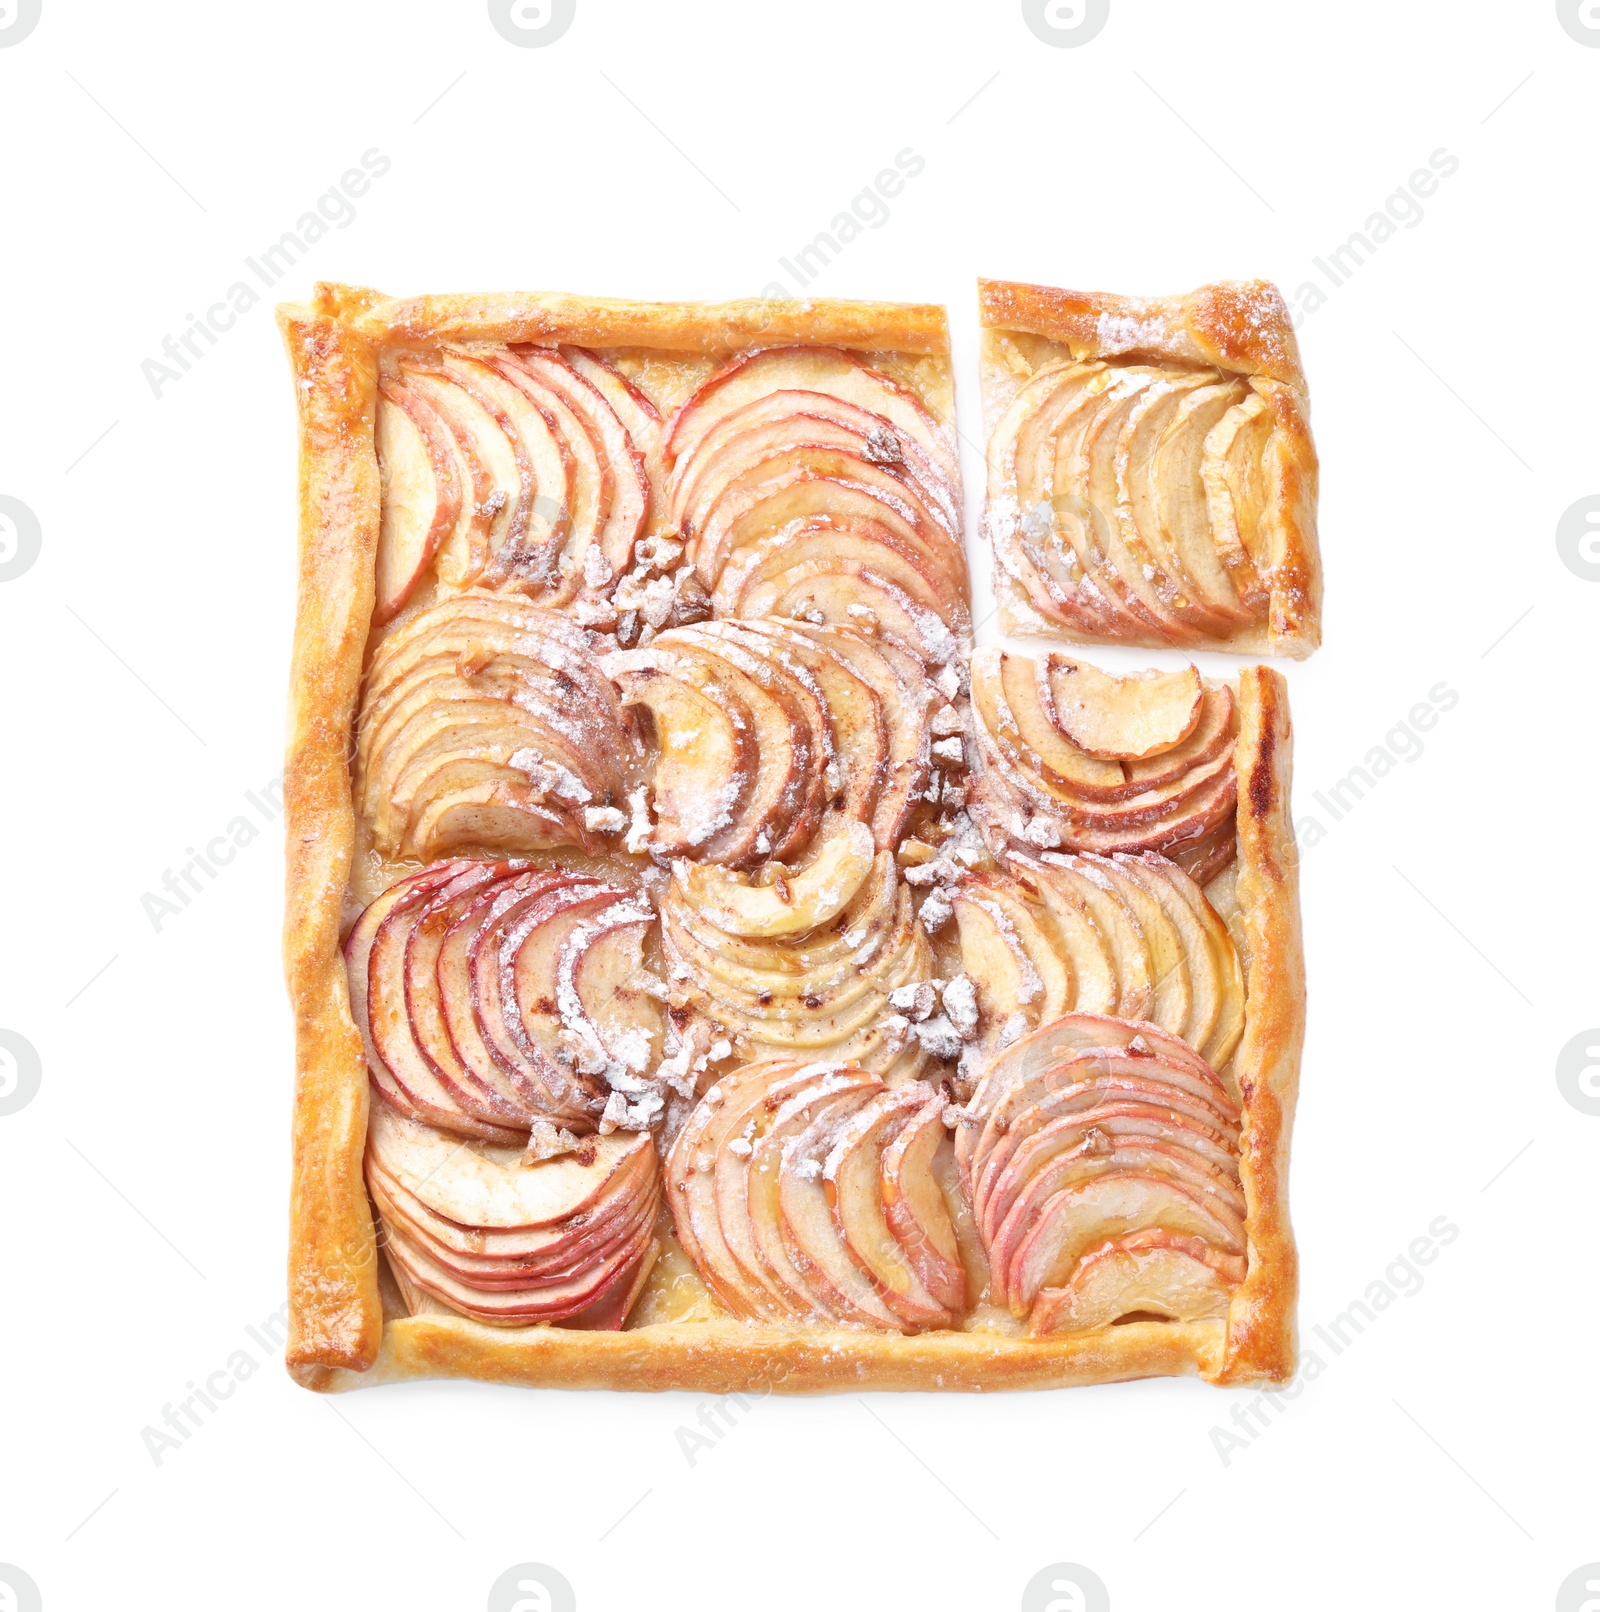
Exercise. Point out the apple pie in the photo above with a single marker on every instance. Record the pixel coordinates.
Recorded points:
(709, 971)
(1151, 475)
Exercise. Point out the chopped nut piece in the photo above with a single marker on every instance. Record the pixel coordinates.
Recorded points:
(936, 912)
(917, 1000)
(946, 720)
(961, 1004)
(913, 853)
(604, 819)
(939, 1038)
(949, 751)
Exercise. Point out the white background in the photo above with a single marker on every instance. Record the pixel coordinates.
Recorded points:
(677, 151)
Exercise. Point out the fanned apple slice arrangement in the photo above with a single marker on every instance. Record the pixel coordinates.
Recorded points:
(470, 1226)
(1133, 937)
(1066, 757)
(808, 485)
(813, 1192)
(487, 721)
(498, 1000)
(772, 735)
(1149, 503)
(1100, 1158)
(808, 974)
(522, 468)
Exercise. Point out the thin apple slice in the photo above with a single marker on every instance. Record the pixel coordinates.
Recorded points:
(628, 499)
(1082, 1217)
(420, 495)
(690, 1173)
(538, 530)
(1179, 493)
(1123, 718)
(705, 750)
(1180, 1278)
(791, 904)
(479, 1184)
(852, 1183)
(1083, 948)
(1218, 1048)
(1020, 696)
(639, 416)
(838, 1091)
(814, 1238)
(916, 1204)
(1009, 955)
(1172, 993)
(809, 369)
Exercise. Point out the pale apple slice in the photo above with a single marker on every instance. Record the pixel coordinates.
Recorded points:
(1076, 937)
(1060, 771)
(1139, 513)
(837, 1093)
(857, 734)
(1232, 473)
(479, 1184)
(809, 369)
(705, 750)
(1009, 955)
(1181, 900)
(723, 1112)
(811, 416)
(852, 1183)
(1172, 990)
(491, 478)
(628, 496)
(791, 904)
(420, 493)
(603, 985)
(839, 592)
(508, 1077)
(1218, 1048)
(1212, 735)
(1082, 1217)
(639, 416)
(538, 530)
(1179, 1278)
(1179, 493)
(1069, 882)
(1123, 718)
(907, 700)
(916, 1193)
(813, 1236)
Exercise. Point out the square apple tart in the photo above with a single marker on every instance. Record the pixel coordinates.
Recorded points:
(708, 971)
(1151, 474)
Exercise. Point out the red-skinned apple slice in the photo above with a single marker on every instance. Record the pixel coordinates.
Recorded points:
(392, 1035)
(1180, 1278)
(1122, 718)
(421, 495)
(913, 1177)
(639, 417)
(1082, 1217)
(809, 369)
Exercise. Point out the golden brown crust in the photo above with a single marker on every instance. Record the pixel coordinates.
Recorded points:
(1261, 1327)
(744, 1357)
(697, 327)
(339, 1337)
(334, 1311)
(1237, 325)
